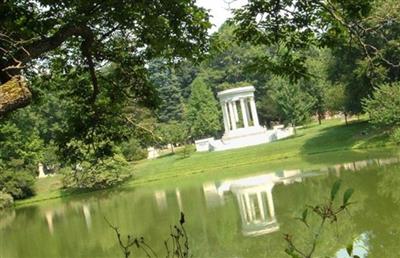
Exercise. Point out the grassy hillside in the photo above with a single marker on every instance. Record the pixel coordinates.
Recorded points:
(316, 145)
(312, 147)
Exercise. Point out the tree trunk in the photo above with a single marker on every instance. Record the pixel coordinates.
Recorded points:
(14, 94)
(345, 118)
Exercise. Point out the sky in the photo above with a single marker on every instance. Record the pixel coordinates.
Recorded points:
(219, 10)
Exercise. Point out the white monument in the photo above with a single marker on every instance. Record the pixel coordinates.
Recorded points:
(152, 153)
(241, 123)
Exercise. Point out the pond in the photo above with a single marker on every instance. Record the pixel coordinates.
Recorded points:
(233, 217)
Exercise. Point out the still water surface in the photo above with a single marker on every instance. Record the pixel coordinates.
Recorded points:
(233, 217)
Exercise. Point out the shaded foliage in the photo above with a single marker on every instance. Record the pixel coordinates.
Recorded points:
(383, 107)
(203, 115)
(109, 172)
(163, 77)
(19, 184)
(294, 103)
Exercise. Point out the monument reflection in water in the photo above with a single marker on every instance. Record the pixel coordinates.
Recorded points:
(254, 194)
(254, 198)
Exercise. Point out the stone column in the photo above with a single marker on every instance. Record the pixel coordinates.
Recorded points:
(246, 106)
(225, 116)
(244, 113)
(236, 111)
(254, 111)
(232, 115)
(249, 209)
(270, 200)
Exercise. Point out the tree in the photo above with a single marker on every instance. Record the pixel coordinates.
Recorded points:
(230, 65)
(21, 145)
(362, 35)
(347, 68)
(173, 133)
(186, 72)
(163, 77)
(384, 106)
(92, 33)
(228, 62)
(268, 109)
(336, 99)
(318, 63)
(294, 26)
(203, 114)
(294, 103)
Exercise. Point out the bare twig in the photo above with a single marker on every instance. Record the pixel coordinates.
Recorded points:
(178, 239)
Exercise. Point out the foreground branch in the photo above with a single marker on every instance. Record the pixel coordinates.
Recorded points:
(177, 245)
(14, 94)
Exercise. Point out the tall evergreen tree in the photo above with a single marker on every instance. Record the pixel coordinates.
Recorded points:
(294, 103)
(203, 114)
(186, 72)
(163, 77)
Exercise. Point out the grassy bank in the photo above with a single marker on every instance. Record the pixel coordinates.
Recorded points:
(314, 146)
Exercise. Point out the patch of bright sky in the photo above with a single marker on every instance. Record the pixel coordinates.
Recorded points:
(219, 10)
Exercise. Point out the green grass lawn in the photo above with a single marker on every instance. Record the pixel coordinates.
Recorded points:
(313, 146)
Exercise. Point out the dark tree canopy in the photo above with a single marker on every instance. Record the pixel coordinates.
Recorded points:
(163, 78)
(92, 33)
(293, 26)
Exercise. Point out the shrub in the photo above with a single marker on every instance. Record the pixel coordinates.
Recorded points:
(6, 200)
(173, 133)
(132, 150)
(186, 150)
(396, 135)
(384, 106)
(109, 172)
(19, 184)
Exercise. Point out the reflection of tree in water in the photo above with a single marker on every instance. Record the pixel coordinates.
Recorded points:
(375, 215)
(291, 197)
(313, 191)
(7, 217)
(384, 219)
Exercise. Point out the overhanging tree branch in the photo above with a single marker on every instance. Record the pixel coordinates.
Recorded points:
(14, 94)
(357, 31)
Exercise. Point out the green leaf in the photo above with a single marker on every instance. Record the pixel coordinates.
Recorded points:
(335, 189)
(356, 256)
(349, 249)
(347, 195)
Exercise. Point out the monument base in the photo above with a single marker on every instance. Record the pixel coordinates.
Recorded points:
(243, 137)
